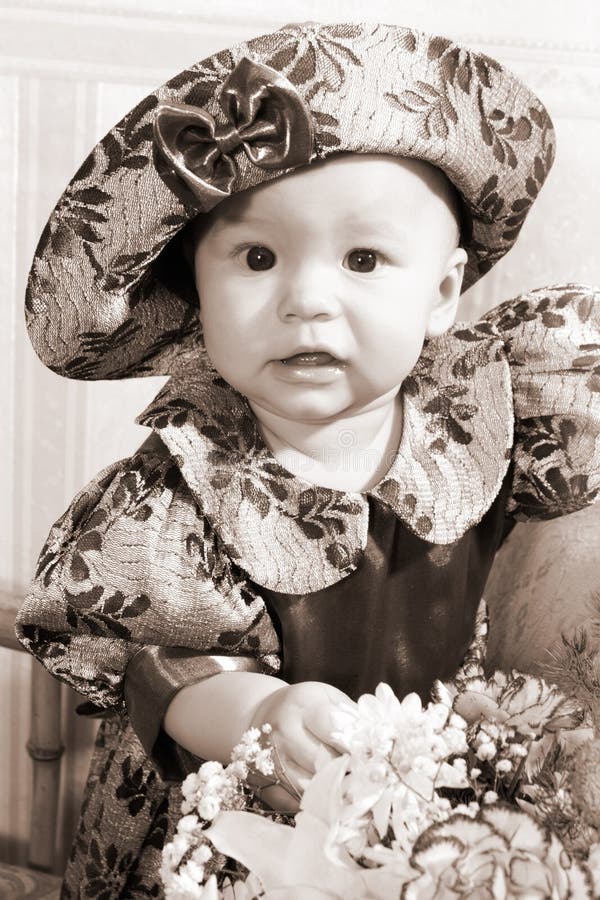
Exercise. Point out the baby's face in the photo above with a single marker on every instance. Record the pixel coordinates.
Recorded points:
(318, 289)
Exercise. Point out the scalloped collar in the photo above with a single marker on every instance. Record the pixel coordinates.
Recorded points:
(292, 536)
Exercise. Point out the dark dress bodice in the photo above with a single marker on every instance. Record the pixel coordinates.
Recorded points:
(405, 616)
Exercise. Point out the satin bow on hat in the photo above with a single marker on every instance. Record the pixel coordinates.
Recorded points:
(266, 118)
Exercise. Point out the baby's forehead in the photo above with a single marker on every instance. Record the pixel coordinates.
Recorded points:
(349, 192)
(361, 180)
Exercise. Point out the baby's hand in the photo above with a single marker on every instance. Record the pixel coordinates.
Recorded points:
(300, 716)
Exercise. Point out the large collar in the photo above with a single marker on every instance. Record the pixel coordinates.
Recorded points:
(292, 536)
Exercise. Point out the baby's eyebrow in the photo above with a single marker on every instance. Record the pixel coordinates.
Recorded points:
(233, 219)
(383, 227)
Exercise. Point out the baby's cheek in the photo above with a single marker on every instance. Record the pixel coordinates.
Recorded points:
(398, 354)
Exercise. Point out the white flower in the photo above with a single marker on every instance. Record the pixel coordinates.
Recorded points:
(252, 754)
(518, 750)
(238, 769)
(209, 806)
(499, 853)
(191, 869)
(486, 751)
(180, 845)
(190, 784)
(300, 858)
(210, 769)
(202, 854)
(523, 703)
(401, 734)
(187, 824)
(182, 887)
(263, 762)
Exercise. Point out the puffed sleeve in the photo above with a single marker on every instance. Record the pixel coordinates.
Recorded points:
(552, 341)
(132, 598)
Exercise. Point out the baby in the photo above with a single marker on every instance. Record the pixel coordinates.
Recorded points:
(317, 292)
(286, 229)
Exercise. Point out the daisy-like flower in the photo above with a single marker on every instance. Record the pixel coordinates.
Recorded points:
(398, 754)
(384, 735)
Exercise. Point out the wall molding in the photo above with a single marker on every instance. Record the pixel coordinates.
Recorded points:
(563, 25)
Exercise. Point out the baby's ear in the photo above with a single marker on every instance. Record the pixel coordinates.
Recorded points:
(444, 309)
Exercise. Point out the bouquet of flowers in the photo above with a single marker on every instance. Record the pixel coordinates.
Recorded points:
(490, 791)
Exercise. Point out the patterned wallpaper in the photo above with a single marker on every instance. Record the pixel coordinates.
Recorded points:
(68, 70)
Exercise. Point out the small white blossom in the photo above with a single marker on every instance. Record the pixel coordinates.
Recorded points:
(187, 824)
(518, 750)
(180, 844)
(202, 854)
(490, 797)
(486, 751)
(193, 870)
(210, 768)
(456, 721)
(238, 769)
(503, 766)
(209, 806)
(264, 762)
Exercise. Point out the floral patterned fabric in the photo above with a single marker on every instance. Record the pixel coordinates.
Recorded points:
(109, 295)
(172, 546)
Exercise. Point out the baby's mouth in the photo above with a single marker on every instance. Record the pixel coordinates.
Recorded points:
(310, 359)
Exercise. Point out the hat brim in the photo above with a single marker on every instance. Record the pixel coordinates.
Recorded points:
(108, 294)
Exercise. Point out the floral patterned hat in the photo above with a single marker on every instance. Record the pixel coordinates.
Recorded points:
(109, 295)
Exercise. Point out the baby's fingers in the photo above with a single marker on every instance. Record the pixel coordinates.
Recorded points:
(321, 724)
(302, 748)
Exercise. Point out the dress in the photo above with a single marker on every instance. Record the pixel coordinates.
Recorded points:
(202, 547)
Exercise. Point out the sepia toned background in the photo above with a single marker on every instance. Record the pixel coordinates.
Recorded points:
(69, 69)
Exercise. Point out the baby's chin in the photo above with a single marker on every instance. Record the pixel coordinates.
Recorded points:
(316, 410)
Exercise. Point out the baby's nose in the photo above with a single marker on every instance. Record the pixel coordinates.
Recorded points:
(311, 297)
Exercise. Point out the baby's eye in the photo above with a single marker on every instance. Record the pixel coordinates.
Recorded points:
(361, 260)
(260, 258)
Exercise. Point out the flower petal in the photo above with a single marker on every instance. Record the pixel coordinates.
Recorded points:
(323, 795)
(258, 843)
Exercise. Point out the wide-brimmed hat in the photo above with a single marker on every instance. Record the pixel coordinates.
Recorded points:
(109, 294)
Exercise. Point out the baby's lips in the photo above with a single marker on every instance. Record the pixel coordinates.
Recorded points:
(310, 359)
